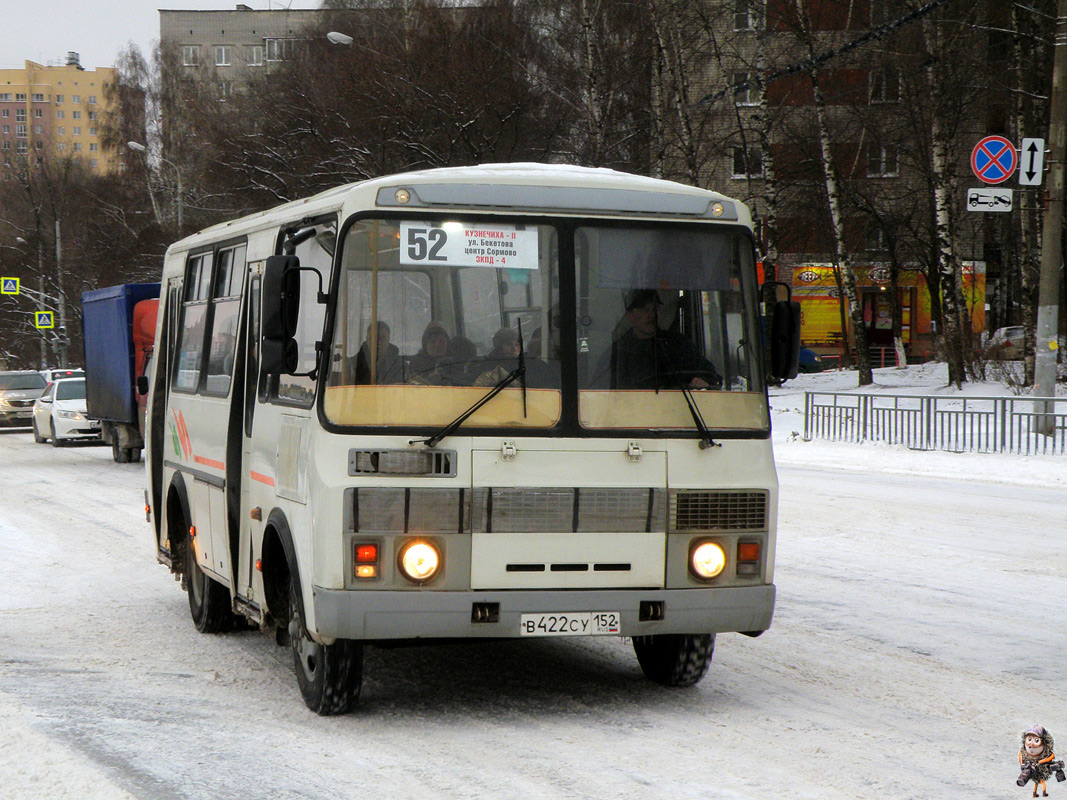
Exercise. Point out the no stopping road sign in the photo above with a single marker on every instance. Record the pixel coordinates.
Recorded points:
(994, 159)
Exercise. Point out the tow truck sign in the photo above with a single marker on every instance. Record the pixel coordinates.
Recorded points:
(989, 199)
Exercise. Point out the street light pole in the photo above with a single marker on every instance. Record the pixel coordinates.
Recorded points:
(61, 301)
(180, 204)
(39, 301)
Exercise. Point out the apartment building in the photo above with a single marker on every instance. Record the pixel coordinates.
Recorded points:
(868, 114)
(232, 46)
(54, 111)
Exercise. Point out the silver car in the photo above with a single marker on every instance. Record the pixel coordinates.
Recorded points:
(18, 391)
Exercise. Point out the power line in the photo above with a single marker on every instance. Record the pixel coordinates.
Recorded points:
(808, 64)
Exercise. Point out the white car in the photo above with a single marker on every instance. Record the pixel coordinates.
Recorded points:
(59, 414)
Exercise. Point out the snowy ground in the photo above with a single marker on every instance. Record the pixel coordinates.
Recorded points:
(919, 628)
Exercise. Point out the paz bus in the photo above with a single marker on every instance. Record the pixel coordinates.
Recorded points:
(471, 403)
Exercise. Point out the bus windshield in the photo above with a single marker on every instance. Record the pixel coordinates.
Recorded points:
(663, 310)
(430, 315)
(429, 318)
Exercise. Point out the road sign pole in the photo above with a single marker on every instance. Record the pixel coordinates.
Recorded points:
(1052, 232)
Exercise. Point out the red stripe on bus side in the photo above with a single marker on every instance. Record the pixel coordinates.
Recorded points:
(209, 462)
(261, 478)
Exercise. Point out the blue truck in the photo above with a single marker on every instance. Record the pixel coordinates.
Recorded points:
(118, 323)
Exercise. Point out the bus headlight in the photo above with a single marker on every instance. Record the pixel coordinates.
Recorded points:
(420, 560)
(706, 559)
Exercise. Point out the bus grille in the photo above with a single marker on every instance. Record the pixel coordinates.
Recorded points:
(708, 511)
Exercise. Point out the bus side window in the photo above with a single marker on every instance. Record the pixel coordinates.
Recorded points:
(194, 321)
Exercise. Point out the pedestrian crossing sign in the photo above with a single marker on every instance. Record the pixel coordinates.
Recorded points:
(44, 319)
(9, 285)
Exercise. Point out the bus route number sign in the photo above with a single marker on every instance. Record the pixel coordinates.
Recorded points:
(456, 244)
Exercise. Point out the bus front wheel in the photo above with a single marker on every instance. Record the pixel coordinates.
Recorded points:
(330, 676)
(209, 600)
(675, 659)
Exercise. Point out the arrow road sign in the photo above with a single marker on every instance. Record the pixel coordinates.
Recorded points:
(993, 159)
(43, 319)
(1032, 162)
(9, 285)
(989, 199)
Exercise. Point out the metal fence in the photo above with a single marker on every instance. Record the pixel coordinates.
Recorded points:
(1022, 425)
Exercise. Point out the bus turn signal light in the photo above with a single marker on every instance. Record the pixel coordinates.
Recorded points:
(366, 554)
(748, 551)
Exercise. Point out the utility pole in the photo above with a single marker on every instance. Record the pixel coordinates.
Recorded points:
(1052, 241)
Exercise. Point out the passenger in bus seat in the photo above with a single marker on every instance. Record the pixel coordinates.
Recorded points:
(460, 362)
(428, 366)
(648, 357)
(389, 367)
(502, 359)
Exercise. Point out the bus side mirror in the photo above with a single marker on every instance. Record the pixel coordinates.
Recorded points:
(279, 354)
(785, 340)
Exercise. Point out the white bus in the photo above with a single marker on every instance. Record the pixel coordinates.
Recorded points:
(471, 403)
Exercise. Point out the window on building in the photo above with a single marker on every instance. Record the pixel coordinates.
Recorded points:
(61, 131)
(254, 55)
(92, 115)
(20, 115)
(92, 163)
(93, 147)
(7, 130)
(59, 99)
(223, 53)
(225, 89)
(76, 130)
(5, 145)
(38, 113)
(75, 98)
(38, 129)
(747, 163)
(882, 161)
(92, 99)
(61, 147)
(77, 115)
(191, 55)
(5, 97)
(745, 91)
(20, 148)
(92, 132)
(280, 49)
(59, 114)
(747, 14)
(37, 97)
(874, 240)
(77, 147)
(20, 131)
(20, 97)
(39, 144)
(6, 112)
(885, 86)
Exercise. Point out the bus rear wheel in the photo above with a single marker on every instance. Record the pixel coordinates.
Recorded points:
(675, 659)
(330, 677)
(209, 600)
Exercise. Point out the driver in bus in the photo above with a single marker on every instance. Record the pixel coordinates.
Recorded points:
(389, 368)
(648, 357)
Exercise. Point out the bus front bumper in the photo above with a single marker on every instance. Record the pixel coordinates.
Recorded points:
(378, 615)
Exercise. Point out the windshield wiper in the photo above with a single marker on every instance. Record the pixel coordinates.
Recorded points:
(519, 373)
(698, 419)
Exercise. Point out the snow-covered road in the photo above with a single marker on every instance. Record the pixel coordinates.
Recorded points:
(919, 628)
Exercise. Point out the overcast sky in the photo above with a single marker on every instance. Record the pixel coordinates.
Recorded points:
(44, 30)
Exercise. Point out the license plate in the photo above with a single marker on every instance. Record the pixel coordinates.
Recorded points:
(570, 623)
(94, 425)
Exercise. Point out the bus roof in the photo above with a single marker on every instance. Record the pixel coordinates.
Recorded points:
(543, 188)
